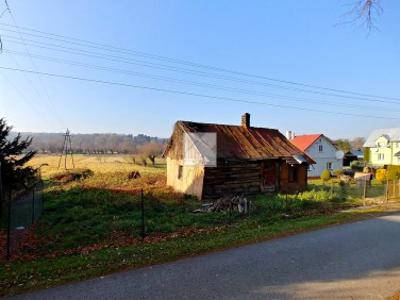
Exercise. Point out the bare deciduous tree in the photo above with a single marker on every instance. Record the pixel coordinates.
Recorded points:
(357, 143)
(151, 151)
(365, 11)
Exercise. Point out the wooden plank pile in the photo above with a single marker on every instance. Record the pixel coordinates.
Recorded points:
(227, 203)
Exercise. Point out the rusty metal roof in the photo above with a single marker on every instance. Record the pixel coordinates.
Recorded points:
(239, 142)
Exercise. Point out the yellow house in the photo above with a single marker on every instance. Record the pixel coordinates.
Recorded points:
(383, 147)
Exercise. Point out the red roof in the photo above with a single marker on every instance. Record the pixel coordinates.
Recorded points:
(303, 142)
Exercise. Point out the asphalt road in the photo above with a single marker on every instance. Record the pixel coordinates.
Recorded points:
(353, 261)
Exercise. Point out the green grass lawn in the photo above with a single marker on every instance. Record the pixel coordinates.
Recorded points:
(80, 217)
(92, 226)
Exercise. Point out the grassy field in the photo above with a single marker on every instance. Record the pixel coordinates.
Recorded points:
(99, 164)
(91, 226)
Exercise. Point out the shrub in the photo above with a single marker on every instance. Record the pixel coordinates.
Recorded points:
(297, 204)
(314, 195)
(338, 172)
(393, 172)
(325, 175)
(380, 175)
(357, 165)
(72, 175)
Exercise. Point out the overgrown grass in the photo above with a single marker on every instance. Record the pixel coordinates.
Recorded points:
(104, 210)
(351, 193)
(79, 217)
(97, 163)
(91, 225)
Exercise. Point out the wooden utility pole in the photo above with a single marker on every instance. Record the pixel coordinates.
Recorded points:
(387, 191)
(67, 149)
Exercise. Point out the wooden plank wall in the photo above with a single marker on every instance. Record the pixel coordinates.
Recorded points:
(293, 187)
(233, 178)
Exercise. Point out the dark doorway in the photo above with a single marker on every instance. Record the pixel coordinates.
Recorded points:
(269, 176)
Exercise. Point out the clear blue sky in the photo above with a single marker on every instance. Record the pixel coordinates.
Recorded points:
(285, 39)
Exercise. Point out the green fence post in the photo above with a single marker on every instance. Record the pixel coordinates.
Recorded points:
(142, 233)
(33, 205)
(8, 250)
(365, 190)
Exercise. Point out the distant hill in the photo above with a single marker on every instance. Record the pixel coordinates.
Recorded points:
(90, 143)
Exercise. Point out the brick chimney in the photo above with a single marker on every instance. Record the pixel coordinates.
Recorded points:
(246, 120)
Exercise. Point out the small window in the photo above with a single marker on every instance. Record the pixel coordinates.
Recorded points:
(320, 148)
(329, 165)
(293, 174)
(180, 171)
(381, 156)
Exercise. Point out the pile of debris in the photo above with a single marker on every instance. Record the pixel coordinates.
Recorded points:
(72, 175)
(134, 175)
(227, 203)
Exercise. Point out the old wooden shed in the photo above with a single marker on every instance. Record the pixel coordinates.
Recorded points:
(248, 160)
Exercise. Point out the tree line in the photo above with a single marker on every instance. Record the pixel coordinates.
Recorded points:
(347, 145)
(96, 143)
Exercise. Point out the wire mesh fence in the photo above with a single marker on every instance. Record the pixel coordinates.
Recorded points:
(81, 220)
(319, 198)
(24, 207)
(393, 189)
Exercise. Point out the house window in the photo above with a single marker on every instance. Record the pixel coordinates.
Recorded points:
(329, 165)
(293, 174)
(180, 171)
(381, 156)
(320, 148)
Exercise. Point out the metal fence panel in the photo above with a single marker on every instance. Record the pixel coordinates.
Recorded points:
(25, 207)
(393, 189)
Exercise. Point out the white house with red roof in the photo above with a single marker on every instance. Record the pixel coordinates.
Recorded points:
(321, 149)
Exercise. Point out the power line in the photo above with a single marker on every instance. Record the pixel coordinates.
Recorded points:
(186, 71)
(24, 97)
(58, 117)
(192, 83)
(193, 94)
(189, 63)
(3, 12)
(30, 82)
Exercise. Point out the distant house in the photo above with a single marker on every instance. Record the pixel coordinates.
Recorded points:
(238, 160)
(383, 147)
(322, 150)
(359, 153)
(348, 158)
(351, 156)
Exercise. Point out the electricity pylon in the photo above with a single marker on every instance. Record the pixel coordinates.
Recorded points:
(67, 149)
